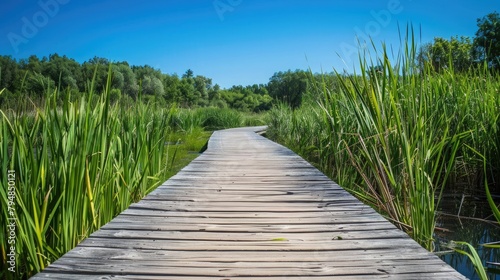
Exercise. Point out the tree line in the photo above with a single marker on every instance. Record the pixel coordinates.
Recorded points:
(460, 53)
(31, 77)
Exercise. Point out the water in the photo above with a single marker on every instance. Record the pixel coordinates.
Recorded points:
(471, 228)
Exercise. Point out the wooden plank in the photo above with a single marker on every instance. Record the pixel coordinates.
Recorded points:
(248, 236)
(248, 208)
(304, 270)
(249, 214)
(254, 228)
(413, 276)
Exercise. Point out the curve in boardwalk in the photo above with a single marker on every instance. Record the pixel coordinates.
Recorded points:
(248, 208)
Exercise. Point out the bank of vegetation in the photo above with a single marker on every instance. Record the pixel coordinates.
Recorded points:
(407, 127)
(80, 161)
(86, 140)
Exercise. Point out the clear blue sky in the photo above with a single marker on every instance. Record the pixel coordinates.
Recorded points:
(231, 41)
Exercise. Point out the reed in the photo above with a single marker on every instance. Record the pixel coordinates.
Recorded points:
(217, 118)
(76, 166)
(473, 257)
(396, 134)
(212, 118)
(79, 164)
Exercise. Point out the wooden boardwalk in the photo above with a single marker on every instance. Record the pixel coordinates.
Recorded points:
(248, 208)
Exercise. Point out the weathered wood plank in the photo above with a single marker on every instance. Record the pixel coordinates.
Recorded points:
(243, 215)
(304, 270)
(247, 236)
(253, 228)
(248, 209)
(412, 276)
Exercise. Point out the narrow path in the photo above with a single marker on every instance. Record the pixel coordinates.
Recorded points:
(248, 208)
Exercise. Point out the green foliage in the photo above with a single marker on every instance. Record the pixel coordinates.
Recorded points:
(94, 70)
(80, 164)
(114, 95)
(62, 70)
(487, 40)
(9, 72)
(27, 78)
(130, 85)
(460, 53)
(288, 87)
(183, 148)
(212, 118)
(255, 119)
(300, 129)
(473, 257)
(394, 134)
(171, 85)
(77, 167)
(186, 120)
(202, 85)
(453, 54)
(215, 118)
(36, 84)
(253, 98)
(151, 85)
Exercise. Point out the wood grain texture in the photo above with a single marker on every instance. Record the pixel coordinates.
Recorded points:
(248, 208)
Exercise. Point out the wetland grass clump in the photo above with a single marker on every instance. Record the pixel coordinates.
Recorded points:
(219, 118)
(79, 164)
(77, 167)
(212, 118)
(397, 133)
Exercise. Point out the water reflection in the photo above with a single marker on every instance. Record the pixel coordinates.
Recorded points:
(468, 227)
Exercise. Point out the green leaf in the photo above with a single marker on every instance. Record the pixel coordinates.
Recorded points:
(474, 257)
(279, 239)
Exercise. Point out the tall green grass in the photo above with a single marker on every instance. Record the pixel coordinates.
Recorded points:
(76, 167)
(212, 118)
(396, 135)
(458, 246)
(79, 164)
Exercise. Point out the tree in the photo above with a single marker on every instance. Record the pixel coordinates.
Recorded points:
(151, 85)
(214, 93)
(445, 54)
(146, 70)
(34, 77)
(202, 86)
(265, 103)
(117, 78)
(98, 66)
(250, 98)
(37, 84)
(62, 69)
(130, 86)
(487, 41)
(32, 64)
(187, 90)
(288, 87)
(188, 74)
(194, 90)
(172, 86)
(9, 73)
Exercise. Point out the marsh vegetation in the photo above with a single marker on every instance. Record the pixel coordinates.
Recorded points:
(406, 133)
(80, 163)
(399, 134)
